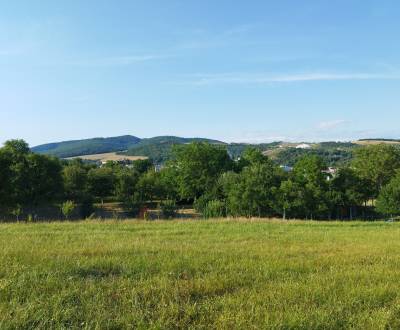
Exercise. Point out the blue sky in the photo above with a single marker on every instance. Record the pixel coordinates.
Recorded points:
(251, 71)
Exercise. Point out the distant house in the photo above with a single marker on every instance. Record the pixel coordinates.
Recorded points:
(303, 146)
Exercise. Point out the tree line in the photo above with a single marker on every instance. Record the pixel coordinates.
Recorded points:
(205, 176)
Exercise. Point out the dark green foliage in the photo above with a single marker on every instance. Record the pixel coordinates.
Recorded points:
(214, 209)
(150, 186)
(29, 179)
(199, 166)
(377, 165)
(142, 165)
(158, 153)
(205, 175)
(75, 180)
(310, 179)
(252, 192)
(133, 204)
(87, 147)
(347, 191)
(388, 201)
(332, 157)
(101, 182)
(126, 180)
(168, 209)
(236, 150)
(159, 149)
(86, 206)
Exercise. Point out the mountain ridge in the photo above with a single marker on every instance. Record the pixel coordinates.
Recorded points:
(98, 145)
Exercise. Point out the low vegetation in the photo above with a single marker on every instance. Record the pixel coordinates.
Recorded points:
(200, 274)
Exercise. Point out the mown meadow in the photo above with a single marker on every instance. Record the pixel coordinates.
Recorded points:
(200, 274)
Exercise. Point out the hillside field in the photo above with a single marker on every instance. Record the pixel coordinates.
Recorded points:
(109, 156)
(206, 274)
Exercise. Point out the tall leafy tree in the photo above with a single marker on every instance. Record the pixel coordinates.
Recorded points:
(5, 180)
(126, 183)
(289, 199)
(347, 191)
(309, 177)
(376, 164)
(253, 191)
(45, 182)
(101, 182)
(198, 166)
(388, 201)
(75, 177)
(32, 179)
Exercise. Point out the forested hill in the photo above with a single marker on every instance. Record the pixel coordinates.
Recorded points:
(88, 146)
(134, 145)
(159, 148)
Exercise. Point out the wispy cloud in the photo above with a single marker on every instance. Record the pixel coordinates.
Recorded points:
(204, 39)
(332, 124)
(117, 60)
(247, 78)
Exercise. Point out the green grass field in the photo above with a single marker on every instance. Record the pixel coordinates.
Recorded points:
(200, 274)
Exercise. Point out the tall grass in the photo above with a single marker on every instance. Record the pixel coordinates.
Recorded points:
(200, 274)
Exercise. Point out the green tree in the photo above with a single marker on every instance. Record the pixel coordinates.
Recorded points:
(150, 186)
(168, 209)
(5, 180)
(347, 190)
(388, 201)
(198, 166)
(101, 182)
(31, 179)
(44, 180)
(75, 177)
(253, 191)
(312, 183)
(289, 199)
(67, 208)
(142, 165)
(376, 164)
(126, 180)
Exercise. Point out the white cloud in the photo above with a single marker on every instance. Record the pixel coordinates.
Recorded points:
(246, 78)
(117, 60)
(204, 39)
(332, 124)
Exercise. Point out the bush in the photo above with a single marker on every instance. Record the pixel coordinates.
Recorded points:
(67, 208)
(86, 209)
(133, 205)
(200, 204)
(214, 209)
(168, 209)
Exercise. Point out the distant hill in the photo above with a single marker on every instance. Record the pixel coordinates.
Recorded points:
(88, 146)
(377, 141)
(159, 148)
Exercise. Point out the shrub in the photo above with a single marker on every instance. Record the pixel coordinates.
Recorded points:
(67, 208)
(86, 209)
(168, 208)
(133, 204)
(214, 209)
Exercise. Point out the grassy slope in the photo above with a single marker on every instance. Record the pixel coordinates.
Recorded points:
(233, 274)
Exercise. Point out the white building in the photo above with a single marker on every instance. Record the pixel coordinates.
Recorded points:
(303, 146)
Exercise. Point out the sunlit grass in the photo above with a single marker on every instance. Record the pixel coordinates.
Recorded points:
(200, 274)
